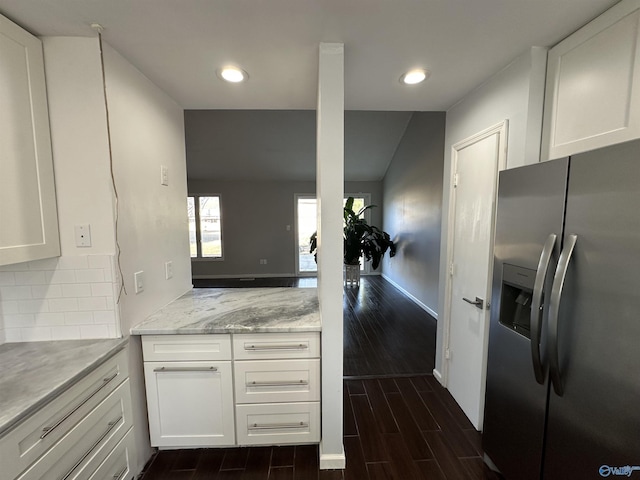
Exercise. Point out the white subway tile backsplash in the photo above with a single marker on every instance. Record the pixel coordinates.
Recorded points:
(33, 306)
(12, 335)
(107, 317)
(90, 275)
(49, 319)
(7, 278)
(94, 331)
(15, 293)
(46, 291)
(30, 278)
(60, 276)
(73, 263)
(76, 290)
(66, 333)
(36, 334)
(9, 307)
(92, 304)
(63, 305)
(19, 320)
(78, 318)
(102, 289)
(59, 298)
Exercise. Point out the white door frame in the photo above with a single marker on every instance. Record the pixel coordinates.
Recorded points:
(501, 129)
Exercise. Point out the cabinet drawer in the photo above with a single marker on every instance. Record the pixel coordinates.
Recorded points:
(276, 345)
(120, 462)
(278, 423)
(34, 436)
(271, 381)
(86, 446)
(161, 348)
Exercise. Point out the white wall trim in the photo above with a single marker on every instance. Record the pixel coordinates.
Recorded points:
(332, 461)
(426, 308)
(245, 275)
(438, 376)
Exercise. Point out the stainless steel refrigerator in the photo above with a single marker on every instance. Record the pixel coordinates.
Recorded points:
(563, 371)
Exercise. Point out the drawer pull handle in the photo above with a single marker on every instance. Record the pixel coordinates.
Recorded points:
(253, 348)
(120, 475)
(278, 384)
(278, 426)
(186, 369)
(105, 381)
(110, 426)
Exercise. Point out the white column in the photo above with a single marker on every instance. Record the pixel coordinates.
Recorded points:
(330, 192)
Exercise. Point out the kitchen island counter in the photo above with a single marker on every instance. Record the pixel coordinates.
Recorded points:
(236, 310)
(34, 373)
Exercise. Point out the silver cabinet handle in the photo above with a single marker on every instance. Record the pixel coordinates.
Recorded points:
(186, 369)
(120, 475)
(278, 384)
(536, 307)
(110, 426)
(479, 302)
(300, 346)
(278, 426)
(554, 310)
(105, 381)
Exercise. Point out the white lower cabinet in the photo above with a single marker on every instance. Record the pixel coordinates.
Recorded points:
(190, 403)
(192, 381)
(71, 437)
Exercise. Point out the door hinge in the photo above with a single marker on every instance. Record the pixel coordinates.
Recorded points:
(447, 354)
(455, 180)
(451, 269)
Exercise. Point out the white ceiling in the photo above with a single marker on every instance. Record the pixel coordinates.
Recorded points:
(179, 44)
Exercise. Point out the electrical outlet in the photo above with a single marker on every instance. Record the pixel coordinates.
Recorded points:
(168, 270)
(138, 281)
(83, 235)
(263, 261)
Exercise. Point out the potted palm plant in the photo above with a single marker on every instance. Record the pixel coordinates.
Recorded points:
(360, 240)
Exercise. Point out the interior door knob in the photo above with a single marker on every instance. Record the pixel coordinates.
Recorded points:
(479, 302)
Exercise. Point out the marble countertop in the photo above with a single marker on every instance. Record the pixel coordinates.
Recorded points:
(236, 310)
(34, 373)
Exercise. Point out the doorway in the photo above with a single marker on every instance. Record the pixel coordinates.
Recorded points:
(306, 224)
(475, 165)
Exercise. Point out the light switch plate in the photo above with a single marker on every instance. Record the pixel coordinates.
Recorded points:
(138, 280)
(164, 175)
(168, 270)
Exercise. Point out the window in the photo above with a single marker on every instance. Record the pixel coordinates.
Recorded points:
(205, 226)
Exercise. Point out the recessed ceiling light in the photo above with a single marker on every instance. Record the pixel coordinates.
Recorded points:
(233, 74)
(415, 76)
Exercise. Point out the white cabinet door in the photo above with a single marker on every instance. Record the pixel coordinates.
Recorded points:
(190, 403)
(593, 85)
(28, 216)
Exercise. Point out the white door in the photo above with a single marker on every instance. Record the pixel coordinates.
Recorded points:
(476, 162)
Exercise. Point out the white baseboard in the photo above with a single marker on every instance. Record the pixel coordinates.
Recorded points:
(427, 309)
(438, 376)
(332, 461)
(247, 276)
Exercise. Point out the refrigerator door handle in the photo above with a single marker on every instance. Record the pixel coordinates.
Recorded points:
(536, 307)
(554, 310)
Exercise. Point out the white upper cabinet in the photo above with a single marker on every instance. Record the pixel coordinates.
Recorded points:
(593, 85)
(28, 216)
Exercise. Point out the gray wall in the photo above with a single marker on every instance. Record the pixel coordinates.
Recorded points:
(412, 207)
(255, 215)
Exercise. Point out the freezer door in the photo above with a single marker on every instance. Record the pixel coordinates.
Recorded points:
(530, 208)
(595, 424)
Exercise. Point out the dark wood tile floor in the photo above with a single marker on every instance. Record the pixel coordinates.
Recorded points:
(402, 428)
(399, 422)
